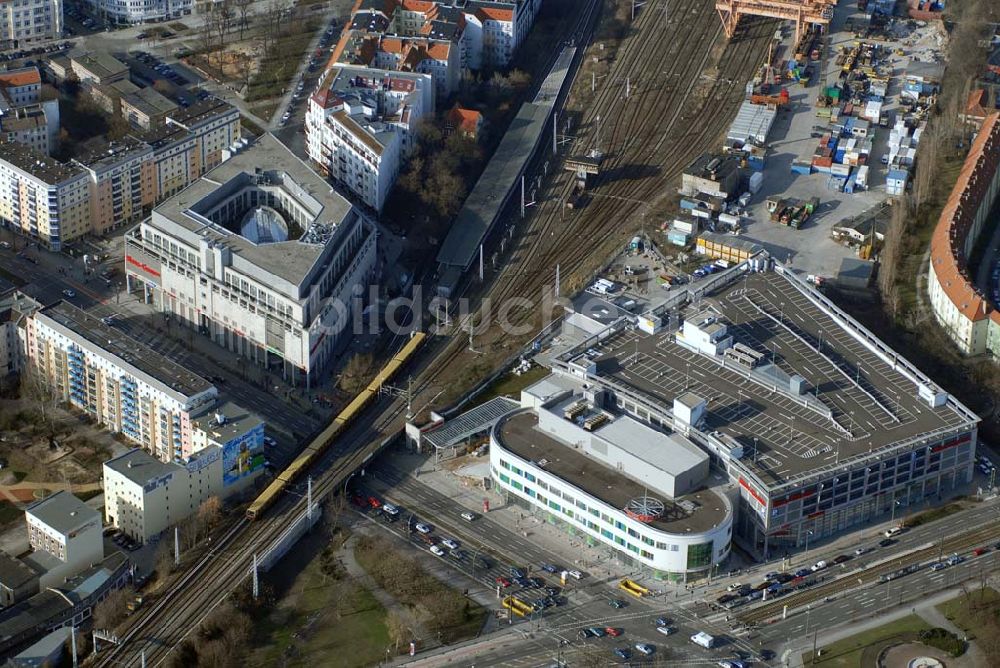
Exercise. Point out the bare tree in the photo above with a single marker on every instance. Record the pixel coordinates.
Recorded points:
(244, 8)
(209, 513)
(355, 375)
(110, 612)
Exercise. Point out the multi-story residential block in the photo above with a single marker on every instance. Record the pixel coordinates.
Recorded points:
(25, 117)
(111, 184)
(21, 86)
(15, 307)
(139, 11)
(66, 534)
(23, 22)
(42, 198)
(190, 143)
(117, 381)
(260, 255)
(359, 127)
(144, 496)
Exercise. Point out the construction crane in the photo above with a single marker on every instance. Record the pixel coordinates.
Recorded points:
(803, 12)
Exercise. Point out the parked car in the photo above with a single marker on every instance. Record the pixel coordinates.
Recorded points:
(662, 621)
(549, 568)
(617, 603)
(612, 631)
(645, 648)
(597, 631)
(502, 581)
(666, 630)
(623, 653)
(516, 572)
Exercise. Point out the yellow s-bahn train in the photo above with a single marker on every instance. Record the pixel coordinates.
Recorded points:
(320, 444)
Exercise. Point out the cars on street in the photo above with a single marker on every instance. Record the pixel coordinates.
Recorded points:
(423, 528)
(502, 581)
(819, 565)
(450, 543)
(469, 516)
(549, 568)
(886, 542)
(516, 572)
(734, 586)
(68, 293)
(861, 550)
(938, 566)
(437, 550)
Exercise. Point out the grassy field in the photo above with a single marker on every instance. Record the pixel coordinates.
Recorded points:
(976, 614)
(442, 610)
(861, 649)
(323, 622)
(931, 515)
(509, 385)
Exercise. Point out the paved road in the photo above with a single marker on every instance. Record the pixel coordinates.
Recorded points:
(556, 630)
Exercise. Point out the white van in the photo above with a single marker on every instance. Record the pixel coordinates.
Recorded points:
(894, 531)
(705, 640)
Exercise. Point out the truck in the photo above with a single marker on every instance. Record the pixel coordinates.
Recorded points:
(705, 640)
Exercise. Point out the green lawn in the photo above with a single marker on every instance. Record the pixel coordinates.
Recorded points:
(972, 613)
(509, 386)
(861, 649)
(331, 623)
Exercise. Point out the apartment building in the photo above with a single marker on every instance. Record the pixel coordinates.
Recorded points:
(23, 22)
(190, 143)
(15, 307)
(111, 184)
(98, 68)
(120, 383)
(359, 127)
(26, 118)
(260, 255)
(140, 11)
(41, 198)
(65, 534)
(144, 496)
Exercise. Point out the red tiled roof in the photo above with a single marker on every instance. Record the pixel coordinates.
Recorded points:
(495, 14)
(20, 78)
(467, 120)
(948, 241)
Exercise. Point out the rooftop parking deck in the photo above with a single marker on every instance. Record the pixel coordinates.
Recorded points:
(854, 402)
(519, 434)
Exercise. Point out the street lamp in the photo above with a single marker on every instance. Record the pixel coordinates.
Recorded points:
(808, 533)
(895, 502)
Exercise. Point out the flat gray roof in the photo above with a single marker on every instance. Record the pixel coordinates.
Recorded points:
(14, 573)
(519, 434)
(474, 421)
(293, 261)
(872, 405)
(167, 375)
(63, 512)
(238, 421)
(494, 186)
(48, 170)
(140, 467)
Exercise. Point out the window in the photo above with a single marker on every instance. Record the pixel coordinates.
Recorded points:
(607, 534)
(632, 548)
(645, 554)
(504, 478)
(620, 540)
(505, 464)
(619, 525)
(529, 477)
(633, 533)
(554, 506)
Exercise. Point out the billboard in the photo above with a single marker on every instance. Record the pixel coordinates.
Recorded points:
(243, 455)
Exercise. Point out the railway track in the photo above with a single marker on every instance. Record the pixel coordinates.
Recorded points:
(672, 114)
(959, 544)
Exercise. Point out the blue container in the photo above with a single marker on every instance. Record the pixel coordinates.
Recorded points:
(838, 157)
